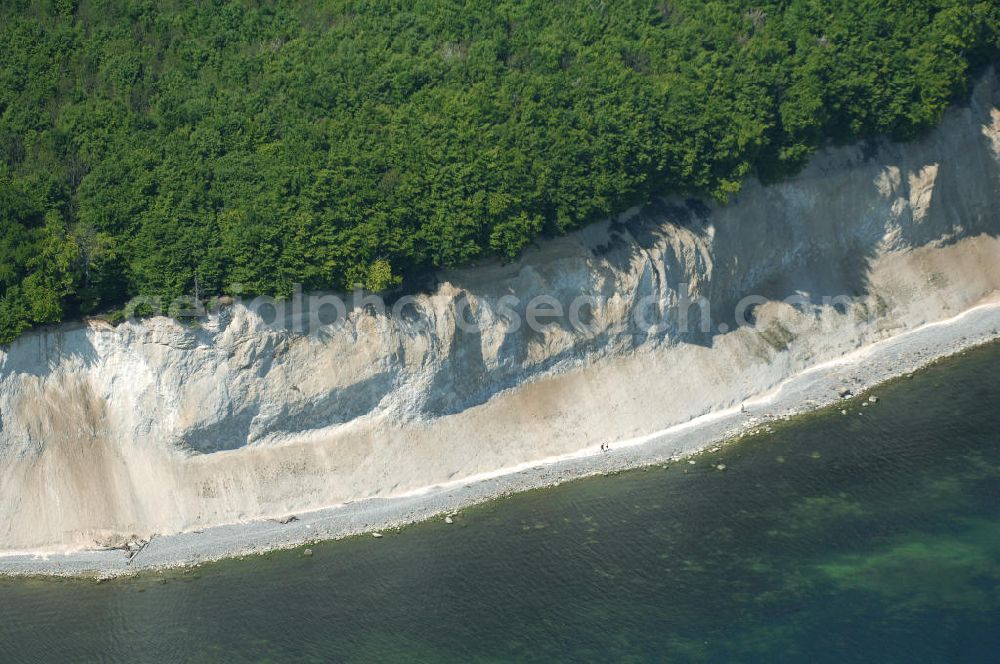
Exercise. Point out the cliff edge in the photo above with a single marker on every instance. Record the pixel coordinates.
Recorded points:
(668, 311)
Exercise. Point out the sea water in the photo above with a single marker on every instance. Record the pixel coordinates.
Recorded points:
(867, 537)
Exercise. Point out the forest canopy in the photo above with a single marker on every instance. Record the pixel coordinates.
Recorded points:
(155, 147)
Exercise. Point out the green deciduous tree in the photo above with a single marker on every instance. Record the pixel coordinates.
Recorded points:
(146, 147)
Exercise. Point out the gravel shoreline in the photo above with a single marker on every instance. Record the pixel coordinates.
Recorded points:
(815, 388)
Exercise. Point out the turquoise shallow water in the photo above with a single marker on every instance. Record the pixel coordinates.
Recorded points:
(859, 538)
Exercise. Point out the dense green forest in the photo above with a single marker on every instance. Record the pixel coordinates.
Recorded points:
(147, 144)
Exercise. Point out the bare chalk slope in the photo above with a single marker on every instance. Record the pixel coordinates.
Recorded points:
(111, 434)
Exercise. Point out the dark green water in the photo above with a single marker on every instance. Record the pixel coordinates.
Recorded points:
(867, 538)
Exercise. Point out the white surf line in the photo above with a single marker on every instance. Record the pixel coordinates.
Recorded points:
(44, 555)
(765, 399)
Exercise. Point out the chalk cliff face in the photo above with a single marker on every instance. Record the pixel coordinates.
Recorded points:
(157, 427)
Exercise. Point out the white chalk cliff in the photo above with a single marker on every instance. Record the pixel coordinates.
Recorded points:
(155, 427)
